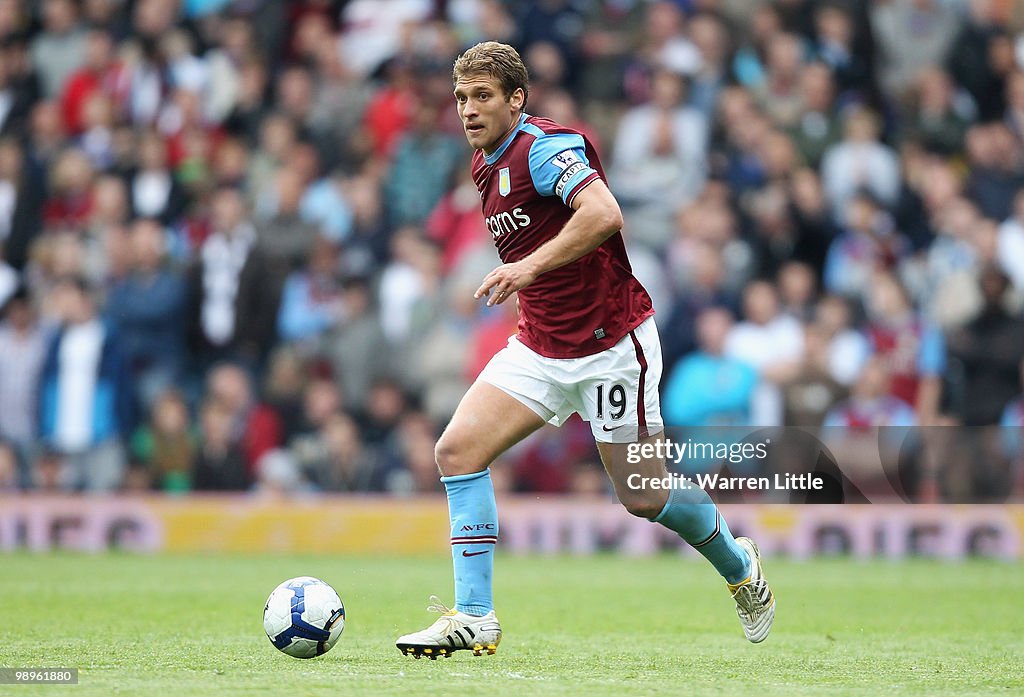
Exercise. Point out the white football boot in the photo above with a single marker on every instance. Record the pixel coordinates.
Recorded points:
(453, 631)
(755, 602)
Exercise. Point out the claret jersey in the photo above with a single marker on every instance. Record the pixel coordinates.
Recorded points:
(527, 187)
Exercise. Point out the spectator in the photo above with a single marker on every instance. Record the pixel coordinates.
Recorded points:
(749, 61)
(279, 475)
(425, 162)
(255, 426)
(947, 276)
(868, 243)
(442, 354)
(808, 210)
(970, 59)
(224, 64)
(148, 308)
(357, 348)
(373, 30)
(232, 301)
(989, 348)
(392, 108)
(250, 109)
(940, 120)
(797, 290)
(339, 460)
(868, 434)
(287, 377)
(155, 192)
(770, 341)
(860, 162)
(166, 444)
(835, 46)
(817, 126)
(218, 464)
(386, 406)
(61, 47)
(278, 137)
(711, 39)
(413, 437)
(46, 137)
(848, 348)
(21, 203)
(658, 160)
(812, 389)
(456, 222)
(779, 93)
(320, 400)
(70, 201)
(912, 352)
(709, 387)
(100, 73)
(285, 238)
(871, 403)
(85, 402)
(911, 35)
(19, 87)
(995, 176)
(326, 205)
(703, 287)
(311, 302)
(409, 286)
(23, 347)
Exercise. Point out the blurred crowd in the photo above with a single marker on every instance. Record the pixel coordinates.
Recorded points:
(239, 238)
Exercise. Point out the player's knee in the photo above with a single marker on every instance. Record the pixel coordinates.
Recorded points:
(452, 457)
(642, 506)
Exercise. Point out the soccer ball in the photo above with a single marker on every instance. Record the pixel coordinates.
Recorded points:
(304, 617)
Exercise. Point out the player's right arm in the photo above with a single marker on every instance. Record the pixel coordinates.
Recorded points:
(559, 167)
(597, 218)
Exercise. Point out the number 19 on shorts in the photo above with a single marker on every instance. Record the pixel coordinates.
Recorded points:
(616, 401)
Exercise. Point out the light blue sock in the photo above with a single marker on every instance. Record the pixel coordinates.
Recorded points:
(474, 516)
(694, 516)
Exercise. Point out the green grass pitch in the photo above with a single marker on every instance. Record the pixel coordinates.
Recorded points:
(606, 625)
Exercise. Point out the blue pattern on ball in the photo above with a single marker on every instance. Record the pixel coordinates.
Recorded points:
(300, 629)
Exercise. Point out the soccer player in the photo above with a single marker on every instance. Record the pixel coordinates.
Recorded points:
(586, 344)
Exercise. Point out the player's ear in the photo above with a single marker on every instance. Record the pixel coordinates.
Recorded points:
(517, 99)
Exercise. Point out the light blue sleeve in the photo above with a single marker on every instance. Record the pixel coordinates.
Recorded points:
(558, 164)
(931, 355)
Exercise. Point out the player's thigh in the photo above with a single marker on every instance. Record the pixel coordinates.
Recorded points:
(487, 422)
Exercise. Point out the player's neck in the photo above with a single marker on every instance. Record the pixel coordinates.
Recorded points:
(504, 136)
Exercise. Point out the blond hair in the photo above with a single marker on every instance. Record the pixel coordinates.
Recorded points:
(496, 60)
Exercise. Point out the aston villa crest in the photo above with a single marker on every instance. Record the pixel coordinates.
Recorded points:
(504, 181)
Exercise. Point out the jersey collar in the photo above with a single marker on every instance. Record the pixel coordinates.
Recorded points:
(496, 155)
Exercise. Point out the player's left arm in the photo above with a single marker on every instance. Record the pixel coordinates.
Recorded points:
(596, 218)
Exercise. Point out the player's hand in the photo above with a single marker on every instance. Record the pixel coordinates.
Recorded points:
(504, 281)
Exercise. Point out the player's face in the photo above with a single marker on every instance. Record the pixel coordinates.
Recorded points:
(487, 114)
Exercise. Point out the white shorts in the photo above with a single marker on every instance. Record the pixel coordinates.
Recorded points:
(616, 390)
